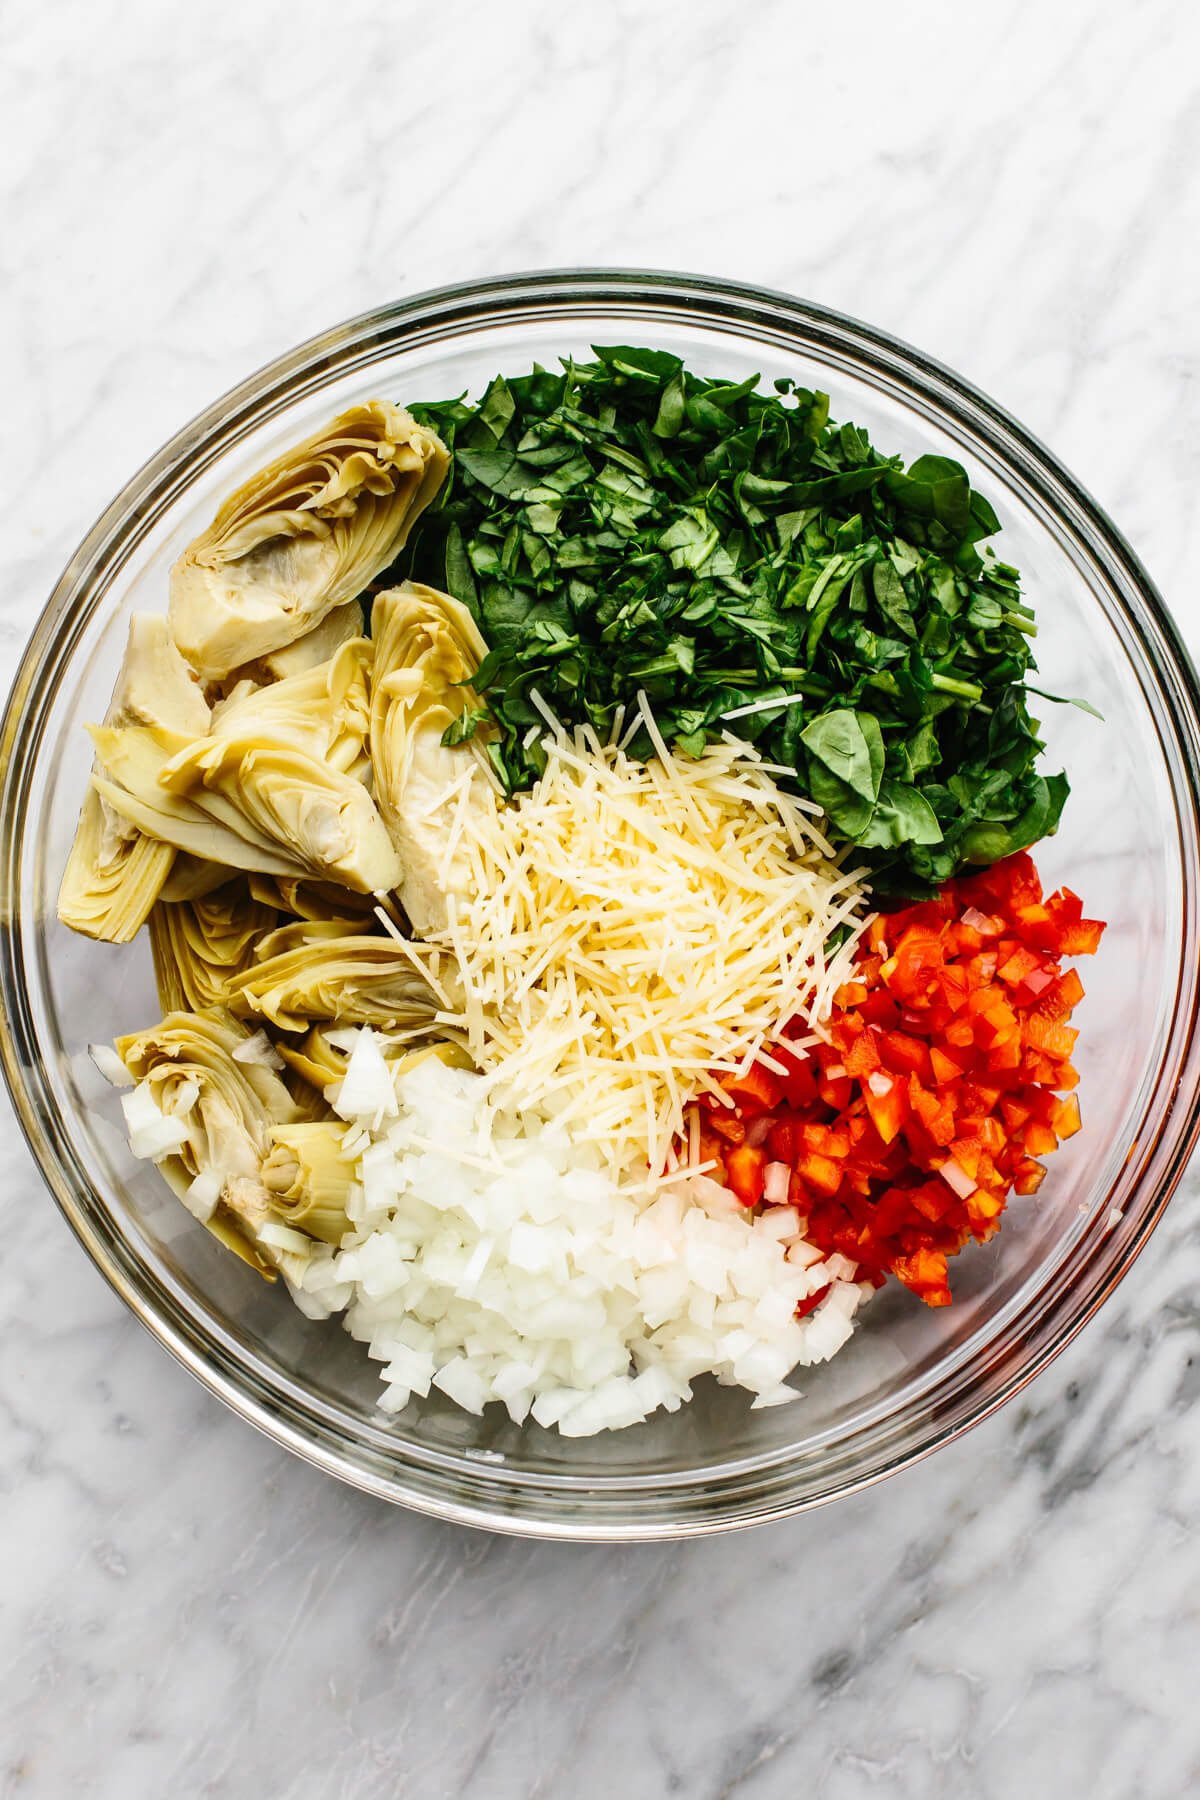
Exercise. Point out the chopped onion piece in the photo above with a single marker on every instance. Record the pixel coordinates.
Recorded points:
(368, 1091)
(282, 1237)
(201, 1196)
(776, 1182)
(151, 1133)
(955, 1176)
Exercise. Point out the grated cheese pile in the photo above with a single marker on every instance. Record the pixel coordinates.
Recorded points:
(624, 931)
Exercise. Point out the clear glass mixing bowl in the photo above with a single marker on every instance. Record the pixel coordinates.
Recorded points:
(912, 1378)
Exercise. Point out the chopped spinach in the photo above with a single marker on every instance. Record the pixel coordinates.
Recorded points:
(625, 524)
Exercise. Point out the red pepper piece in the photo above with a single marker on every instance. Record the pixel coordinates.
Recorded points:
(746, 1168)
(757, 1090)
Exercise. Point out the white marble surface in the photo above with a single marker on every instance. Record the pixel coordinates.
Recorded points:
(183, 192)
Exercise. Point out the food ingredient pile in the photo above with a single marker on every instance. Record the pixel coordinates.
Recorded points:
(583, 840)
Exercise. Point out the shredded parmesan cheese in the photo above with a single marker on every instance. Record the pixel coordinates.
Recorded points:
(633, 928)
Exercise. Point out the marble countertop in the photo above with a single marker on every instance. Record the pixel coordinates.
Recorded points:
(187, 1611)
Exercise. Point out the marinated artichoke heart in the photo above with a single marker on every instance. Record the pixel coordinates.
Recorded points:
(322, 1065)
(303, 536)
(427, 646)
(114, 873)
(199, 945)
(250, 801)
(310, 899)
(308, 1178)
(192, 877)
(316, 1061)
(324, 711)
(227, 1108)
(329, 970)
(319, 645)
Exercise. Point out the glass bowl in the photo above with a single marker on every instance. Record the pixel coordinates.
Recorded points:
(911, 1378)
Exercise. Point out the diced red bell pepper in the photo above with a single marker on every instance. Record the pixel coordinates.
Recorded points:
(1055, 1040)
(799, 1083)
(836, 1091)
(746, 1167)
(903, 1054)
(925, 1273)
(887, 1109)
(862, 1058)
(955, 1044)
(812, 1301)
(945, 1068)
(1066, 1118)
(1082, 939)
(1029, 1176)
(823, 1173)
(757, 1090)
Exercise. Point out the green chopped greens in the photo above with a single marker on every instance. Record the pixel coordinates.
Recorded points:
(752, 566)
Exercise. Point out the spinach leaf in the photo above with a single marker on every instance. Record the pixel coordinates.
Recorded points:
(851, 747)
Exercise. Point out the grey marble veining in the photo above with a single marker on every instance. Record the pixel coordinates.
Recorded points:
(185, 1610)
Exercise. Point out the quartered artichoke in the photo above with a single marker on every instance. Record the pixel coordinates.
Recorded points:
(316, 646)
(199, 945)
(304, 535)
(427, 648)
(248, 800)
(228, 1109)
(191, 878)
(315, 1060)
(328, 970)
(311, 899)
(321, 1065)
(308, 1178)
(306, 1173)
(114, 874)
(324, 711)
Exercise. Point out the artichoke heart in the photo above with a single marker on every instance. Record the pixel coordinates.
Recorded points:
(115, 873)
(319, 645)
(427, 648)
(309, 1179)
(316, 1061)
(199, 945)
(227, 1108)
(311, 899)
(192, 877)
(323, 711)
(249, 801)
(325, 971)
(303, 536)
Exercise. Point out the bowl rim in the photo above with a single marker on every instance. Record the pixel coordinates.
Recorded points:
(763, 1488)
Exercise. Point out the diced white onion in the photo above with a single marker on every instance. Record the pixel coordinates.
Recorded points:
(496, 1260)
(955, 1176)
(281, 1237)
(151, 1133)
(367, 1091)
(201, 1196)
(776, 1181)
